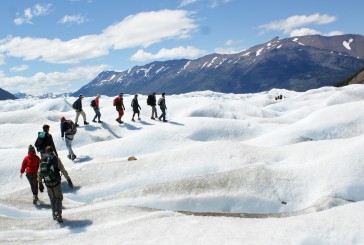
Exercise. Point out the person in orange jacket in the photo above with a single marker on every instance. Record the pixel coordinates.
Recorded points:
(30, 166)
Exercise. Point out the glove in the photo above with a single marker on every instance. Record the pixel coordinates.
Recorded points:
(41, 187)
(70, 184)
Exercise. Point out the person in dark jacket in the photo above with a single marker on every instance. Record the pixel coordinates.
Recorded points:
(79, 110)
(47, 140)
(67, 135)
(30, 166)
(153, 104)
(119, 104)
(54, 187)
(136, 107)
(97, 110)
(163, 107)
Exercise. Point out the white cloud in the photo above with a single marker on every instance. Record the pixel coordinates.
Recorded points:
(78, 19)
(2, 59)
(29, 13)
(140, 30)
(179, 52)
(19, 68)
(187, 2)
(40, 82)
(295, 21)
(303, 32)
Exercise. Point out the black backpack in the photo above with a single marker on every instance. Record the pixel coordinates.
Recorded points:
(46, 169)
(149, 99)
(93, 103)
(74, 105)
(70, 127)
(40, 142)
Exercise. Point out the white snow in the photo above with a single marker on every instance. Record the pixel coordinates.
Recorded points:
(294, 168)
(259, 51)
(346, 44)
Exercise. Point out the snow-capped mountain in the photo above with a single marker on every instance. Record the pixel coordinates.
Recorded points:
(298, 63)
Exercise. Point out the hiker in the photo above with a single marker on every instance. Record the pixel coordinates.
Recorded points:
(30, 166)
(136, 107)
(96, 107)
(118, 102)
(163, 107)
(152, 101)
(77, 105)
(50, 170)
(68, 131)
(44, 139)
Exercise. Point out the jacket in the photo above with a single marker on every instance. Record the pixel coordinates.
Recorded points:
(30, 164)
(78, 104)
(97, 102)
(119, 103)
(135, 104)
(58, 169)
(48, 141)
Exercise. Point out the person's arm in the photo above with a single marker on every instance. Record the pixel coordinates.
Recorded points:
(65, 173)
(62, 129)
(23, 166)
(52, 143)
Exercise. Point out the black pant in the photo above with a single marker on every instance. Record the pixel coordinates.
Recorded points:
(32, 178)
(163, 114)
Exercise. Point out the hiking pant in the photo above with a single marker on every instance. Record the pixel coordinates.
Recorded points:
(121, 113)
(97, 114)
(32, 178)
(163, 113)
(56, 197)
(78, 113)
(154, 112)
(68, 139)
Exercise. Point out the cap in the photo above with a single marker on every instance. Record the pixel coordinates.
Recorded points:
(63, 118)
(31, 148)
(81, 95)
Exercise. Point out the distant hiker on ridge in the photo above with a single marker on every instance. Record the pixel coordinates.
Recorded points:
(30, 166)
(44, 139)
(118, 102)
(136, 107)
(68, 131)
(152, 101)
(50, 170)
(163, 107)
(77, 105)
(95, 106)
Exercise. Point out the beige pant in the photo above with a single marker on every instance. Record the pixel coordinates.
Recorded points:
(55, 196)
(78, 113)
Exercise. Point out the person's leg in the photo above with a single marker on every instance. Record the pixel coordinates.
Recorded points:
(94, 120)
(77, 116)
(69, 147)
(133, 116)
(152, 117)
(32, 178)
(52, 199)
(58, 197)
(84, 117)
(98, 115)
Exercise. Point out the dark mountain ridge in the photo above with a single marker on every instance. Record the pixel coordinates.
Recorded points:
(299, 64)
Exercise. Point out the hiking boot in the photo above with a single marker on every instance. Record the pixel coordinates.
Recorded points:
(35, 199)
(85, 123)
(58, 217)
(118, 120)
(73, 157)
(165, 121)
(152, 118)
(159, 119)
(54, 216)
(69, 156)
(93, 120)
(133, 120)
(99, 121)
(138, 118)
(76, 125)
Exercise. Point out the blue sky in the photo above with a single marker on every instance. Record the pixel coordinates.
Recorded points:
(59, 46)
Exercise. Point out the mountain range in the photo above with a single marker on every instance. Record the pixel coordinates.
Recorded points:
(299, 64)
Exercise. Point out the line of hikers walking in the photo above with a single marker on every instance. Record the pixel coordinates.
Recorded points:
(48, 167)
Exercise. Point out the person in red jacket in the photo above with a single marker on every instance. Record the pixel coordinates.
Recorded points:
(118, 102)
(97, 110)
(30, 166)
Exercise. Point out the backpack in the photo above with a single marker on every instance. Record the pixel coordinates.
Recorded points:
(160, 101)
(149, 99)
(93, 103)
(70, 127)
(46, 170)
(40, 142)
(74, 105)
(114, 103)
